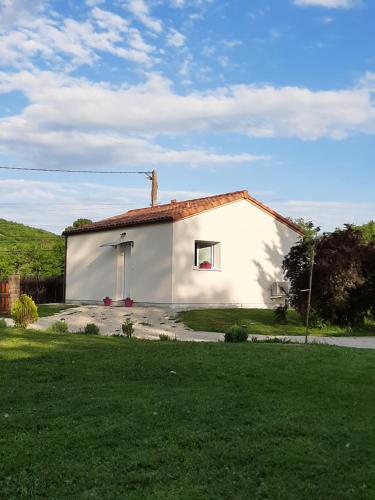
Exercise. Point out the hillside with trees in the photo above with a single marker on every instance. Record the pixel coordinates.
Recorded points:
(29, 251)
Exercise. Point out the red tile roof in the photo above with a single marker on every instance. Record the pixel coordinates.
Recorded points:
(175, 211)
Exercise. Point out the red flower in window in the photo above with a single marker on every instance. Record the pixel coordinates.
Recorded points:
(205, 265)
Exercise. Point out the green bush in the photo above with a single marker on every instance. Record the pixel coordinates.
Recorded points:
(3, 323)
(236, 333)
(315, 321)
(127, 328)
(280, 314)
(92, 329)
(276, 340)
(24, 311)
(164, 337)
(271, 340)
(59, 327)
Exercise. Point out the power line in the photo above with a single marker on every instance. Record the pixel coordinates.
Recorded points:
(68, 204)
(31, 169)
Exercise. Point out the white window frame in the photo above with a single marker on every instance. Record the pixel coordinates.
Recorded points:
(212, 244)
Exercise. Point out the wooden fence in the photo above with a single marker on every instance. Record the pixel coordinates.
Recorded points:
(43, 290)
(4, 297)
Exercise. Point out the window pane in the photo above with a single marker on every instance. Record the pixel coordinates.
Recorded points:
(204, 254)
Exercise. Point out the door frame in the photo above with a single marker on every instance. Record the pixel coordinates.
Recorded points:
(126, 270)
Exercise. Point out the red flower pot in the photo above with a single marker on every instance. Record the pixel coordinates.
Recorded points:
(128, 302)
(107, 301)
(205, 265)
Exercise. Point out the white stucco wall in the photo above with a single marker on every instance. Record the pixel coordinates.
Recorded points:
(161, 266)
(253, 245)
(94, 272)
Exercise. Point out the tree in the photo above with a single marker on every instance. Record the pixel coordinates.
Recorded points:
(78, 223)
(343, 276)
(367, 231)
(309, 229)
(29, 251)
(365, 294)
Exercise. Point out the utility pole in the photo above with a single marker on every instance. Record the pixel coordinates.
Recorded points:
(154, 188)
(309, 291)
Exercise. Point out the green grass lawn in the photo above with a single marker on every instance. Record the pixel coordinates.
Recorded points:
(104, 418)
(51, 309)
(259, 321)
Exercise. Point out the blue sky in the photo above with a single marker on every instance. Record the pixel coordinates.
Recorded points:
(273, 96)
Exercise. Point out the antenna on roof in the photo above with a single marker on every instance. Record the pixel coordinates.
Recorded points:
(154, 188)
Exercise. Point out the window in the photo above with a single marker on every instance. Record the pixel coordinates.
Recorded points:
(207, 255)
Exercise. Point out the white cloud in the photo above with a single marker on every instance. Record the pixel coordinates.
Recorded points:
(224, 62)
(330, 4)
(72, 43)
(328, 20)
(232, 43)
(94, 3)
(58, 102)
(368, 82)
(19, 12)
(78, 149)
(175, 38)
(141, 12)
(73, 121)
(59, 141)
(185, 67)
(196, 16)
(328, 214)
(108, 20)
(54, 205)
(178, 3)
(208, 50)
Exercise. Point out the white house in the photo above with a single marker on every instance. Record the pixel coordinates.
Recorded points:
(223, 250)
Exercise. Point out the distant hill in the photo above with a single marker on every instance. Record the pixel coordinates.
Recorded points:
(29, 250)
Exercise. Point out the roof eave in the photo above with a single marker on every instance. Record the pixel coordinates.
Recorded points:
(118, 225)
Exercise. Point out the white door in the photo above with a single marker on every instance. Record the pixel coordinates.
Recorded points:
(127, 252)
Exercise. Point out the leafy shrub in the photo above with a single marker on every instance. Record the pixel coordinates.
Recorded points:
(271, 340)
(315, 321)
(276, 340)
(59, 327)
(236, 333)
(164, 337)
(91, 329)
(127, 328)
(24, 311)
(3, 323)
(280, 314)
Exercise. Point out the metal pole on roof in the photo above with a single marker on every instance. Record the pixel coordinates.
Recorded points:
(154, 188)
